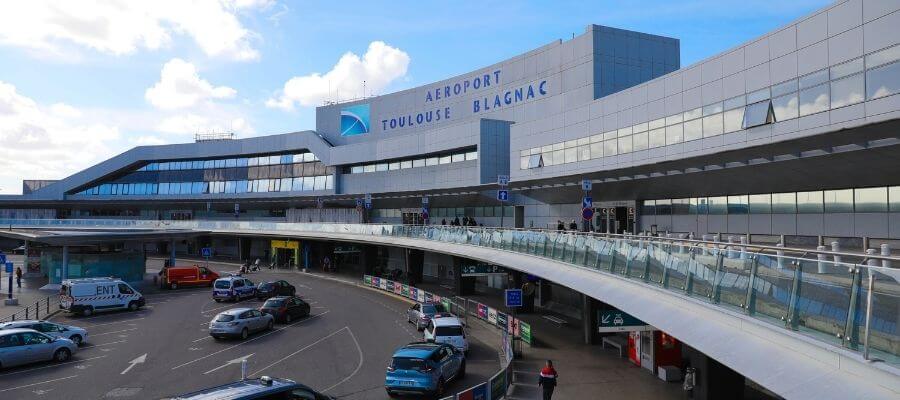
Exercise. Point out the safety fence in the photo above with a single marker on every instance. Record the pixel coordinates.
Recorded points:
(511, 329)
(32, 311)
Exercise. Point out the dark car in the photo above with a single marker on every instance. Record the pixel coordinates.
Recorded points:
(277, 288)
(262, 388)
(286, 308)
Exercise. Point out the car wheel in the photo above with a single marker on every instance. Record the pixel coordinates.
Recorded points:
(244, 333)
(218, 300)
(462, 371)
(133, 306)
(270, 325)
(76, 339)
(439, 390)
(287, 318)
(87, 311)
(173, 285)
(392, 394)
(62, 355)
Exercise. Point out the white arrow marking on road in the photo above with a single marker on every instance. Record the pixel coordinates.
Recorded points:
(134, 362)
(235, 361)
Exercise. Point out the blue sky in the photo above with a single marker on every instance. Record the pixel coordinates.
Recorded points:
(82, 82)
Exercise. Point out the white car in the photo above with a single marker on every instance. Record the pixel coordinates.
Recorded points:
(75, 334)
(449, 330)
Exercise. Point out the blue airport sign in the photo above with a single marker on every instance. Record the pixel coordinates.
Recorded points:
(587, 202)
(513, 297)
(2, 258)
(503, 195)
(206, 252)
(9, 268)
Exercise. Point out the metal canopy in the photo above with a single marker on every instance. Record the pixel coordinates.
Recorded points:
(60, 237)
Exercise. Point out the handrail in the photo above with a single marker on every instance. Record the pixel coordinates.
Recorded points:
(32, 311)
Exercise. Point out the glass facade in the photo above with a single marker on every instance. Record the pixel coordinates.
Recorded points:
(860, 200)
(413, 163)
(294, 172)
(866, 78)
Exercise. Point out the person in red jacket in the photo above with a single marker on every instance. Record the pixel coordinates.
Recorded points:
(548, 380)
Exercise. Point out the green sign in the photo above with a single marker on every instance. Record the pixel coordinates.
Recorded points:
(481, 269)
(446, 302)
(405, 291)
(499, 385)
(368, 280)
(618, 321)
(525, 332)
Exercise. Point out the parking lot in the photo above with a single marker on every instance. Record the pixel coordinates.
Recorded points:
(341, 349)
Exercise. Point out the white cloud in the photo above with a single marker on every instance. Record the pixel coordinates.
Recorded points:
(121, 27)
(381, 65)
(189, 124)
(179, 86)
(46, 142)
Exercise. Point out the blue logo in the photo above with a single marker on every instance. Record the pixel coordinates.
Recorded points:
(355, 120)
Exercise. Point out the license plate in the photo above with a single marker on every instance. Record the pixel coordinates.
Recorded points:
(408, 383)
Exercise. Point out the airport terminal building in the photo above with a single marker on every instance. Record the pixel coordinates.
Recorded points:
(790, 137)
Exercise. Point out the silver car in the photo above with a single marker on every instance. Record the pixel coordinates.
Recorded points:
(26, 346)
(75, 334)
(421, 313)
(239, 322)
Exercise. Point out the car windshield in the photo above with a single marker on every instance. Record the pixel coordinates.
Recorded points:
(432, 308)
(414, 364)
(224, 318)
(449, 330)
(266, 286)
(223, 284)
(273, 303)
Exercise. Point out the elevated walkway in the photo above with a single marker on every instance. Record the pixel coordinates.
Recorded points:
(797, 326)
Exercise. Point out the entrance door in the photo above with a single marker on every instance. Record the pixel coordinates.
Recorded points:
(284, 257)
(412, 218)
(620, 222)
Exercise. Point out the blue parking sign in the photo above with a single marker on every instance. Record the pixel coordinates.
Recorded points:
(9, 268)
(207, 252)
(514, 297)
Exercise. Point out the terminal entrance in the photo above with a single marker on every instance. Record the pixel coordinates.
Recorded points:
(285, 253)
(615, 219)
(412, 218)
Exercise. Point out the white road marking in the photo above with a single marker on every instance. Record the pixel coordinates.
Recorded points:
(110, 333)
(103, 344)
(203, 338)
(39, 383)
(132, 363)
(235, 361)
(40, 392)
(225, 306)
(51, 366)
(358, 366)
(250, 340)
(301, 349)
(117, 322)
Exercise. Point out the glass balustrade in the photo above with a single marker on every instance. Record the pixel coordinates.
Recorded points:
(809, 294)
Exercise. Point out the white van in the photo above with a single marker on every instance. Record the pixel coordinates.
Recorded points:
(85, 296)
(447, 330)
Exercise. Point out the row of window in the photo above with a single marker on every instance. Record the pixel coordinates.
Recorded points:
(413, 163)
(453, 212)
(862, 200)
(230, 162)
(299, 184)
(866, 78)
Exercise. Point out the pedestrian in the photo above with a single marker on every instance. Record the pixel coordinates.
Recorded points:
(443, 221)
(547, 380)
(456, 221)
(573, 225)
(559, 225)
(19, 277)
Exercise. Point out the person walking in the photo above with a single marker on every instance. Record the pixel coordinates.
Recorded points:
(19, 277)
(547, 380)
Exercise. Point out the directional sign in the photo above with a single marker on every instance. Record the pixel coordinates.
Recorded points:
(424, 199)
(513, 297)
(587, 202)
(206, 252)
(618, 321)
(586, 185)
(480, 270)
(503, 195)
(368, 197)
(9, 267)
(359, 203)
(132, 363)
(503, 180)
(2, 258)
(235, 361)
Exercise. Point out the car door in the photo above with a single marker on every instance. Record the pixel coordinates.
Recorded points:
(414, 312)
(249, 288)
(261, 320)
(204, 274)
(12, 350)
(237, 286)
(37, 346)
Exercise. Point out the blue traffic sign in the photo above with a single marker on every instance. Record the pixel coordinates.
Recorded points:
(2, 258)
(503, 195)
(9, 268)
(514, 297)
(206, 252)
(587, 213)
(587, 202)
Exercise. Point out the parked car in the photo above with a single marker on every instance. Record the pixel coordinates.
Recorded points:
(239, 322)
(75, 334)
(448, 330)
(286, 308)
(192, 275)
(88, 295)
(233, 288)
(26, 346)
(262, 388)
(421, 313)
(276, 288)
(424, 368)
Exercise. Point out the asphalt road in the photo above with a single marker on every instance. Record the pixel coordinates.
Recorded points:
(342, 349)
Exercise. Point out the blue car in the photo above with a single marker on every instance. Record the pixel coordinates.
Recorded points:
(233, 288)
(256, 389)
(424, 368)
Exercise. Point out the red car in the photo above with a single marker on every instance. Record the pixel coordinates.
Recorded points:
(193, 275)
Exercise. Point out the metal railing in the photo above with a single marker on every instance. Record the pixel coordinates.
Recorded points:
(822, 294)
(32, 311)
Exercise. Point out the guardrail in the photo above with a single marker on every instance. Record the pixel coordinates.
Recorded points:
(821, 294)
(33, 311)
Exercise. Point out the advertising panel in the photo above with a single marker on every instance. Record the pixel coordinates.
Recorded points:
(446, 302)
(482, 311)
(498, 384)
(420, 295)
(398, 288)
(367, 280)
(435, 298)
(413, 293)
(405, 291)
(384, 284)
(376, 281)
(492, 315)
(525, 332)
(512, 326)
(428, 297)
(502, 320)
(475, 393)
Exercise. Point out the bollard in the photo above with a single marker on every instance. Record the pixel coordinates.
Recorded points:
(244, 369)
(779, 255)
(836, 247)
(822, 260)
(744, 247)
(885, 251)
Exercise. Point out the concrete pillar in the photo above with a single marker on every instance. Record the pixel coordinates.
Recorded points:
(885, 251)
(588, 318)
(172, 252)
(822, 264)
(744, 247)
(731, 251)
(65, 264)
(463, 285)
(415, 260)
(836, 247)
(779, 255)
